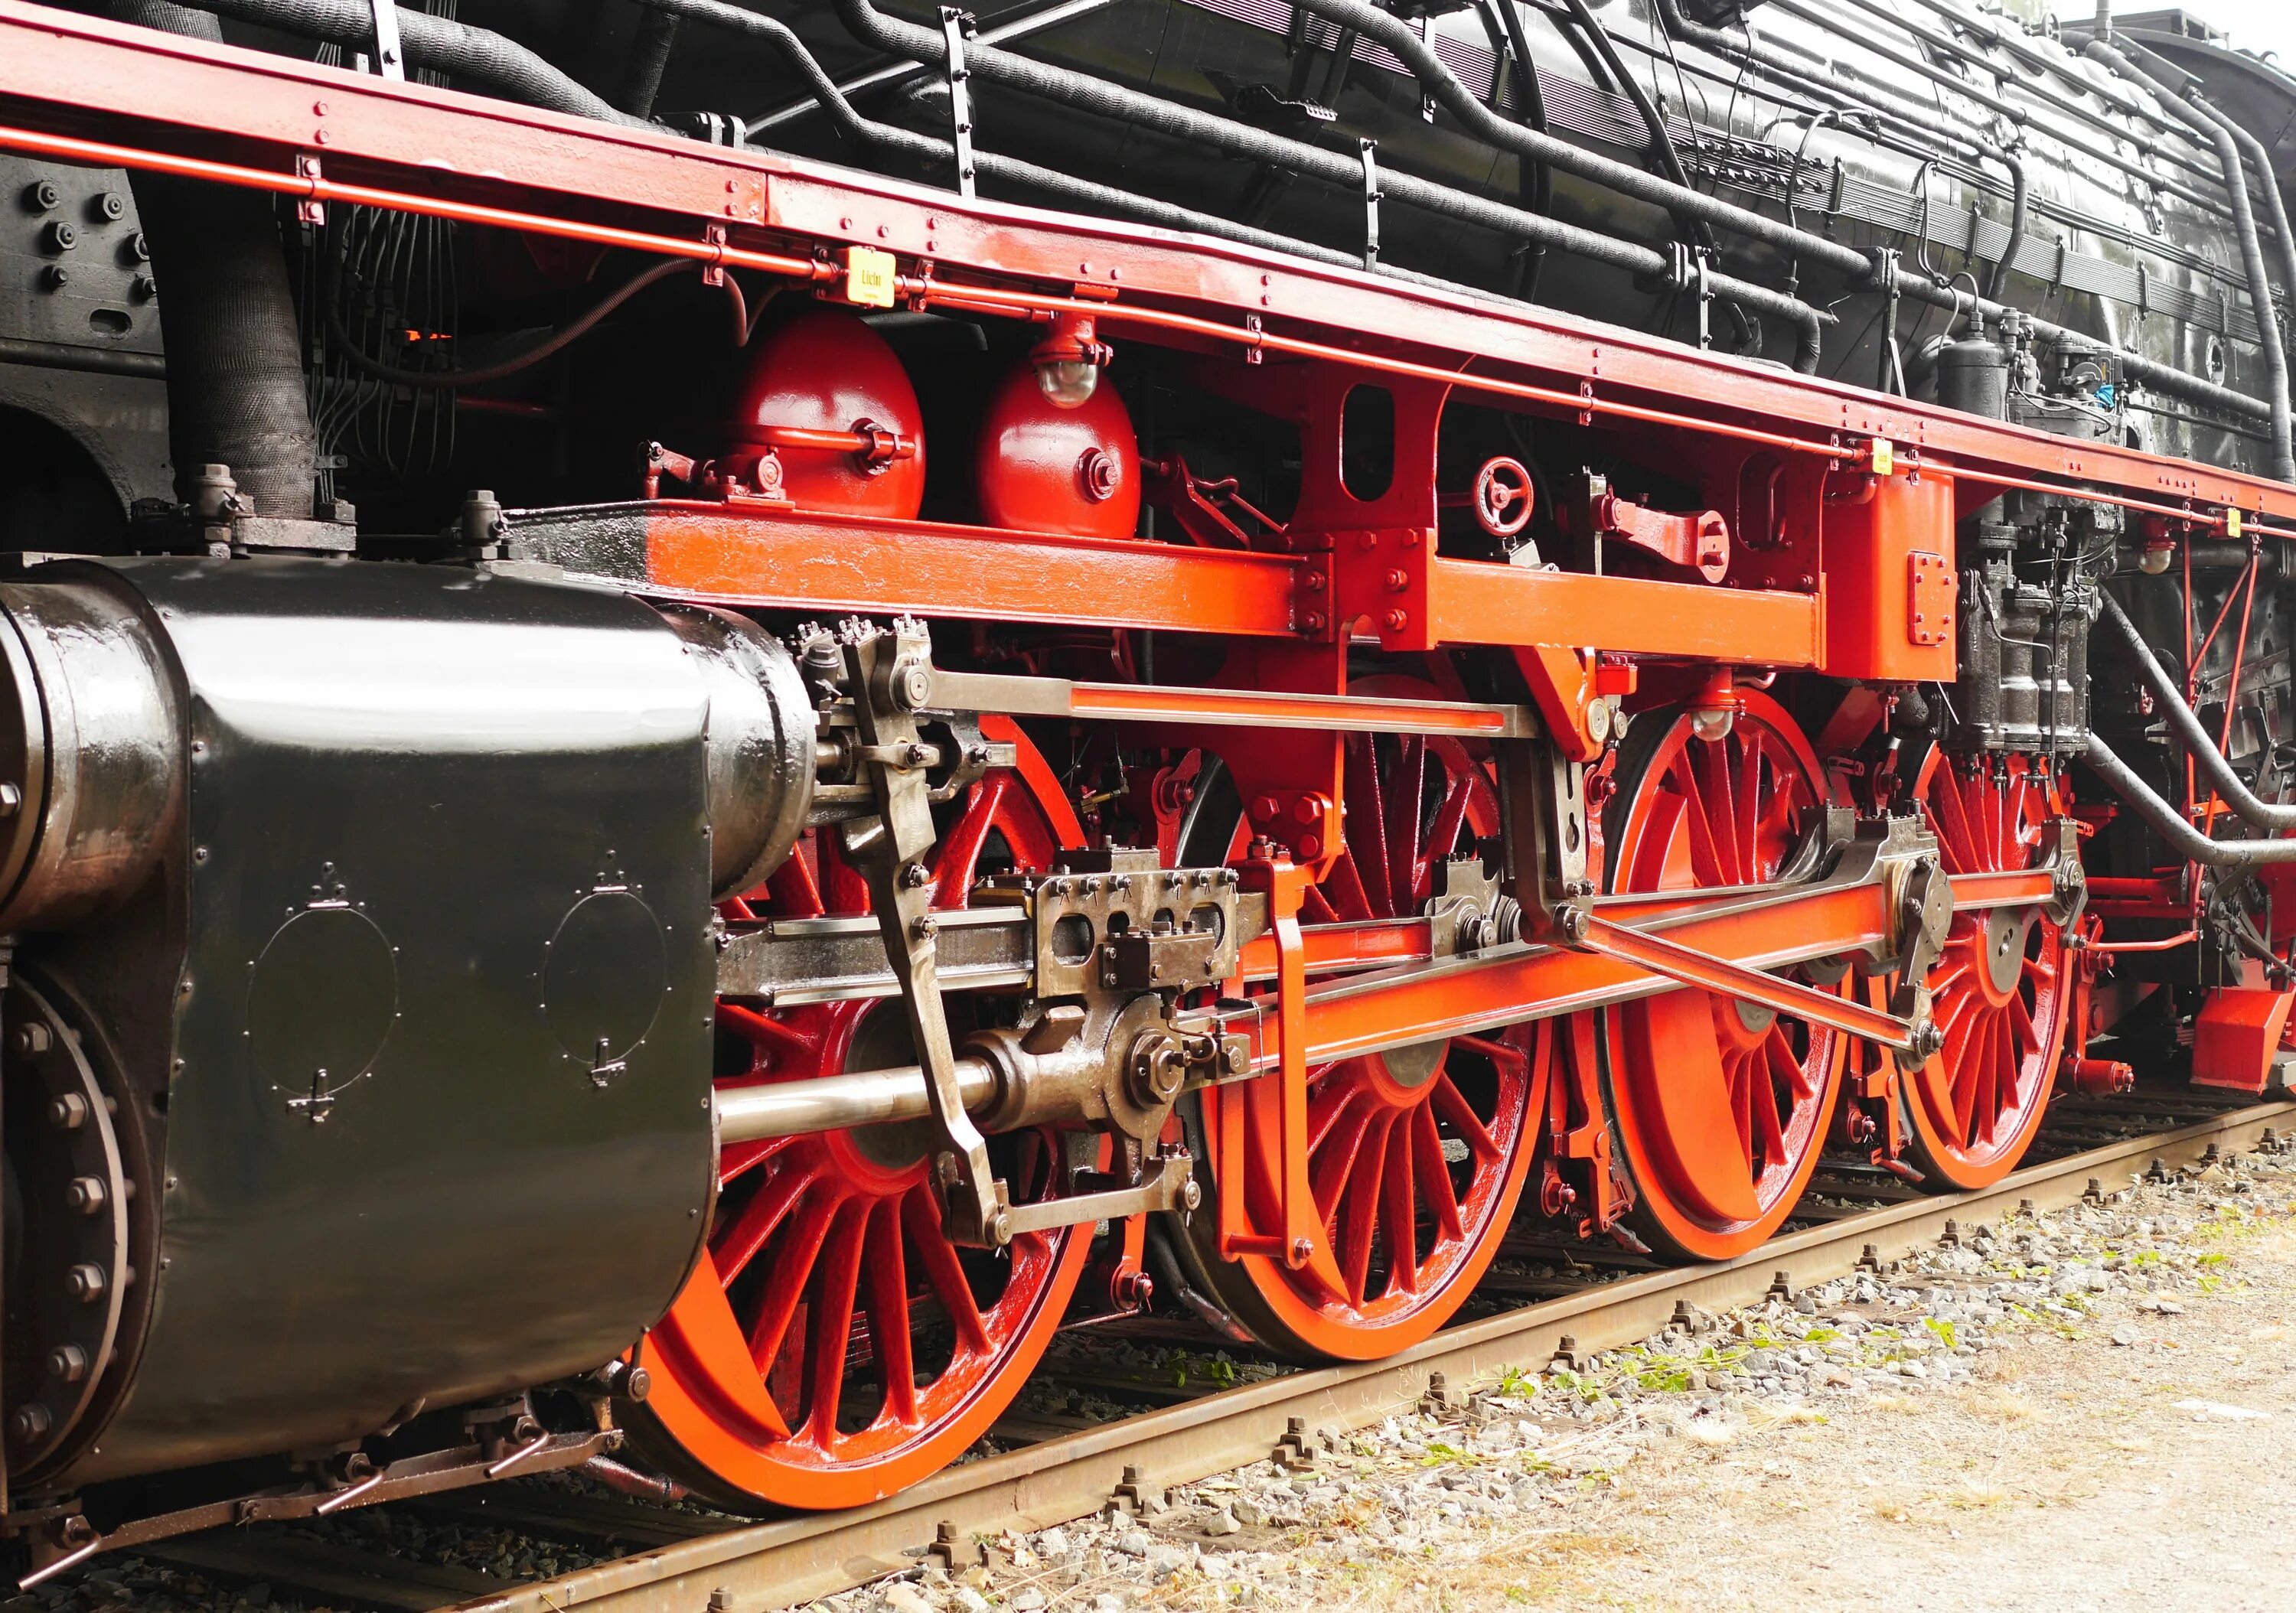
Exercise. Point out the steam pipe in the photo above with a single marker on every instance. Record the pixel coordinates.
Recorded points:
(2252, 251)
(1661, 143)
(234, 358)
(1951, 46)
(475, 55)
(2191, 737)
(2185, 840)
(989, 64)
(1440, 81)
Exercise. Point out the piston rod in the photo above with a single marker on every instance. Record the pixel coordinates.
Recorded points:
(868, 1097)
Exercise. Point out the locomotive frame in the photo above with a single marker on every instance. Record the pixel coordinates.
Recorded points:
(1856, 578)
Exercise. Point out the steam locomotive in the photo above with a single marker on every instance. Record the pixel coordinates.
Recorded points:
(714, 712)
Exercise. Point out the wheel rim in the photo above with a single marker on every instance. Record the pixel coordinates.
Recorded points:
(1997, 991)
(1420, 1151)
(1720, 1108)
(834, 1346)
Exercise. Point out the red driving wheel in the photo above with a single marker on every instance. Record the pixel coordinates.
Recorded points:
(1998, 991)
(833, 1346)
(1416, 1155)
(1720, 1106)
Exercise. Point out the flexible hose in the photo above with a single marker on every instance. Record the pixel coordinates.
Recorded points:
(474, 55)
(2185, 727)
(565, 336)
(2171, 824)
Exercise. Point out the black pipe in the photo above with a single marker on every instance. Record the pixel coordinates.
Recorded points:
(650, 49)
(1503, 22)
(1700, 233)
(235, 360)
(91, 361)
(474, 55)
(2171, 825)
(2184, 728)
(881, 32)
(2251, 249)
(926, 150)
(2151, 373)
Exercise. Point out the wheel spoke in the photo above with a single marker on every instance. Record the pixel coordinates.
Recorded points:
(1366, 827)
(960, 849)
(1762, 1075)
(786, 1277)
(1448, 1101)
(1720, 811)
(891, 1345)
(1785, 1064)
(1402, 794)
(735, 1245)
(1335, 1156)
(1433, 1172)
(1970, 1070)
(1747, 797)
(1707, 865)
(944, 1272)
(1359, 1209)
(765, 1034)
(1399, 1213)
(829, 1329)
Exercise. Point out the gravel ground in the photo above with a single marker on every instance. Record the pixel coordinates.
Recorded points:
(2086, 1410)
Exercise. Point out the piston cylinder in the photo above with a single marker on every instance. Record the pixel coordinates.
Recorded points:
(91, 749)
(760, 757)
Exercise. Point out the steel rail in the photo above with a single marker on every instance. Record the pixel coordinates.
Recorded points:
(792, 1560)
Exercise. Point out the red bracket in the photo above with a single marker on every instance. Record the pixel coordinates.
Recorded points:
(1699, 542)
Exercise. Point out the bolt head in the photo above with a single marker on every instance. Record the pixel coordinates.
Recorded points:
(86, 1282)
(68, 1111)
(28, 1422)
(85, 1194)
(68, 1363)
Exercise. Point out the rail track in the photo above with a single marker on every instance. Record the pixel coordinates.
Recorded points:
(640, 1558)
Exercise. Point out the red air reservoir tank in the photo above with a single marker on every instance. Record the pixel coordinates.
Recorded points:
(825, 397)
(1056, 452)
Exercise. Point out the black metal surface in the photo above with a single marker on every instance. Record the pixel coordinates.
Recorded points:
(411, 787)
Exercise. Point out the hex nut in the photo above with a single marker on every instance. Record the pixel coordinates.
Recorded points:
(86, 1281)
(67, 1362)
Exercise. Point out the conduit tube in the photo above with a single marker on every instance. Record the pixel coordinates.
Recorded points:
(2186, 728)
(234, 362)
(2218, 133)
(989, 64)
(1439, 81)
(474, 55)
(2171, 824)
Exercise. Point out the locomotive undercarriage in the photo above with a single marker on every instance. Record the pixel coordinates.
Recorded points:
(962, 771)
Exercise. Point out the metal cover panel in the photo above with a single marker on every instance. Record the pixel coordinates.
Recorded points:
(414, 1152)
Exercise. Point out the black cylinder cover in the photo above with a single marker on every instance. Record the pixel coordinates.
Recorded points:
(413, 1019)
